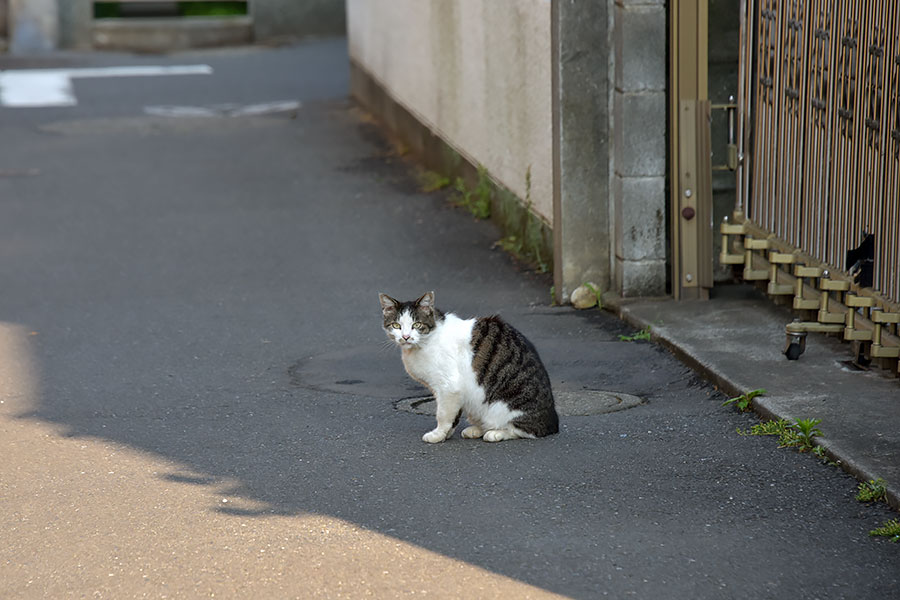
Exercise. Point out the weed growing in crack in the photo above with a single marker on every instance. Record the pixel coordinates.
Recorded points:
(430, 181)
(599, 296)
(638, 336)
(787, 437)
(819, 451)
(806, 430)
(872, 490)
(800, 435)
(477, 201)
(797, 435)
(890, 529)
(745, 401)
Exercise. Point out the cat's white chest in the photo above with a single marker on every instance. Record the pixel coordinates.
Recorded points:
(418, 367)
(444, 363)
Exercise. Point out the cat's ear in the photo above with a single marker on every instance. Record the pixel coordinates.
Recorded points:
(387, 303)
(426, 301)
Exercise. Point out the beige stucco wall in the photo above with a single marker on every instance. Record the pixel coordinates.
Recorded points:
(477, 72)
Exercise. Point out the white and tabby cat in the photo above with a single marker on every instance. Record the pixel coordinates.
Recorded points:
(481, 368)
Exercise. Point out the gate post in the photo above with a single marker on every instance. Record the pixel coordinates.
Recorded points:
(581, 248)
(690, 207)
(33, 26)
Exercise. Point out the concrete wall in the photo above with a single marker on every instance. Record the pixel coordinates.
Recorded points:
(639, 147)
(476, 72)
(294, 18)
(581, 148)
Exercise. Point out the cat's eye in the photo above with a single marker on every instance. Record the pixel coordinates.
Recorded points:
(395, 325)
(418, 326)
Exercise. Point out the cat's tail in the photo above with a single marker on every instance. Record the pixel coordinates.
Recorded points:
(540, 423)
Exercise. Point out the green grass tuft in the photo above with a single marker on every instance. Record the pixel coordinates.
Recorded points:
(745, 401)
(638, 336)
(429, 181)
(872, 490)
(891, 530)
(478, 200)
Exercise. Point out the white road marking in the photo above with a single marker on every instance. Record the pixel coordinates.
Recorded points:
(53, 87)
(223, 110)
(147, 71)
(33, 88)
(181, 111)
(265, 108)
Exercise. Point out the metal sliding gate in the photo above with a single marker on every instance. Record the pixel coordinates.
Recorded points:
(818, 209)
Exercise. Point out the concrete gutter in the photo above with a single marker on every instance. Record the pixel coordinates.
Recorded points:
(735, 341)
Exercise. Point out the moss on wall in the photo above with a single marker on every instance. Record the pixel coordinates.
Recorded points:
(524, 233)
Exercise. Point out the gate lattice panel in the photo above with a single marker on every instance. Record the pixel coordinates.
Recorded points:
(825, 159)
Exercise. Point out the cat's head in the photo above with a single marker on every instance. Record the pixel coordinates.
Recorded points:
(408, 324)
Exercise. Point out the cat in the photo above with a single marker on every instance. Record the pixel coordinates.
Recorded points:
(482, 368)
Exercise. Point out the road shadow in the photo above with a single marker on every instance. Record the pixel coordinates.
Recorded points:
(206, 302)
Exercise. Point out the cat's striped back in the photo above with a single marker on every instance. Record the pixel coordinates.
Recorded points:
(509, 369)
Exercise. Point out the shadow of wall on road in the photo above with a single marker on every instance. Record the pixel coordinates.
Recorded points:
(175, 324)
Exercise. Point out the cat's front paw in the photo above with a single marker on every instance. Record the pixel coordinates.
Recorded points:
(435, 436)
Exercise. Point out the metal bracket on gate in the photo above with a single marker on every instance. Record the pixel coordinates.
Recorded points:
(727, 256)
(836, 305)
(775, 288)
(802, 272)
(830, 285)
(853, 302)
(882, 319)
(751, 274)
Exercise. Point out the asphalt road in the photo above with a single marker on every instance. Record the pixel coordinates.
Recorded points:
(196, 399)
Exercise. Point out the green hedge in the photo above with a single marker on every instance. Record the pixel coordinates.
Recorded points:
(113, 10)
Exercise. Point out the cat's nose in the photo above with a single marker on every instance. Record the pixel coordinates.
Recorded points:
(405, 336)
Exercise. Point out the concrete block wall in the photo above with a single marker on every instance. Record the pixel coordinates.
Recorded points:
(638, 158)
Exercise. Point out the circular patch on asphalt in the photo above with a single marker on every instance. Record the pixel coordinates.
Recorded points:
(582, 403)
(365, 370)
(376, 370)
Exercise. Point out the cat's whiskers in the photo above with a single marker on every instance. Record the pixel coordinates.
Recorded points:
(387, 345)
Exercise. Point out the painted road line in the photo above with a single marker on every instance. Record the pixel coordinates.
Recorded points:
(53, 87)
(34, 88)
(147, 71)
(224, 110)
(265, 108)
